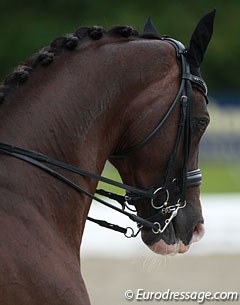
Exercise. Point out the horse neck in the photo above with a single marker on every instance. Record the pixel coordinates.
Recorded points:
(63, 110)
(64, 114)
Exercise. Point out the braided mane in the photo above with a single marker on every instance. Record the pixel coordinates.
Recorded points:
(58, 46)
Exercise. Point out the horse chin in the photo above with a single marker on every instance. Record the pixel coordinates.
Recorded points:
(163, 248)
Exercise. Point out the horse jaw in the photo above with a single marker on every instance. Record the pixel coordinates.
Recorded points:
(161, 247)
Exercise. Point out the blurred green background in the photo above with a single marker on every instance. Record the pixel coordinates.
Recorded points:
(27, 26)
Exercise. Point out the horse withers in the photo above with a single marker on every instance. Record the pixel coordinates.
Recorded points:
(137, 100)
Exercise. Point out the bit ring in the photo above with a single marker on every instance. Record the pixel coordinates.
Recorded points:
(158, 229)
(166, 200)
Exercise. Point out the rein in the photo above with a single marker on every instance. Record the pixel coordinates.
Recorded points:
(38, 160)
(134, 195)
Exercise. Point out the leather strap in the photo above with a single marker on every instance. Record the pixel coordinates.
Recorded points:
(62, 178)
(7, 148)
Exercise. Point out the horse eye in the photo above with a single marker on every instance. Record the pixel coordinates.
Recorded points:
(202, 124)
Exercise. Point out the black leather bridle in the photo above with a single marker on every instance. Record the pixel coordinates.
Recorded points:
(158, 197)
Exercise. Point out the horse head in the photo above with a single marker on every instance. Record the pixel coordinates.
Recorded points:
(159, 144)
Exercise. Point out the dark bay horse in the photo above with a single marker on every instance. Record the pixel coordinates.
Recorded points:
(137, 100)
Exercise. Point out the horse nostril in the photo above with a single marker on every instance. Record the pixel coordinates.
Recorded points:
(198, 233)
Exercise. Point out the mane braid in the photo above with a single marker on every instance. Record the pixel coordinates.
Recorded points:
(57, 47)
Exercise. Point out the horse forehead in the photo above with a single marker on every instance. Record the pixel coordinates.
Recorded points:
(199, 105)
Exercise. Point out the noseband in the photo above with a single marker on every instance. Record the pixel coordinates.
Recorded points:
(159, 197)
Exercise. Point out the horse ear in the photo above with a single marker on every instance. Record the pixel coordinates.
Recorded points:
(149, 27)
(200, 39)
